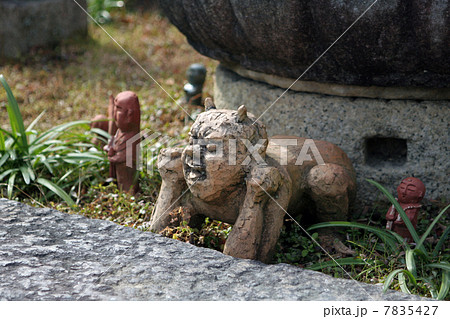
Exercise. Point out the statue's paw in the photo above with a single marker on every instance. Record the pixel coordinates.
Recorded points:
(264, 181)
(171, 153)
(169, 161)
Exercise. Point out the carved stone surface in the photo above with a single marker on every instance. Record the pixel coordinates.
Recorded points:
(396, 43)
(48, 255)
(26, 24)
(232, 172)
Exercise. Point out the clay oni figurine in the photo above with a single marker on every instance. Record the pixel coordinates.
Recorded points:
(123, 147)
(410, 193)
(196, 75)
(232, 172)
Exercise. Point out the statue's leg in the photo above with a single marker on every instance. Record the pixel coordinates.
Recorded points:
(244, 238)
(168, 200)
(172, 188)
(332, 188)
(257, 228)
(273, 222)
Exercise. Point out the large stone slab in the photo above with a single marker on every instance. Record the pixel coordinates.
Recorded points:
(48, 255)
(28, 23)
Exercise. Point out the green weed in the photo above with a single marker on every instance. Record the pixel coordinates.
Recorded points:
(58, 160)
(421, 268)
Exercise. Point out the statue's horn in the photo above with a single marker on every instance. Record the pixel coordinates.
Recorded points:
(209, 104)
(242, 113)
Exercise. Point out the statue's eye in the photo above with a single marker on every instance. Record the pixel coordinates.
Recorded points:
(211, 147)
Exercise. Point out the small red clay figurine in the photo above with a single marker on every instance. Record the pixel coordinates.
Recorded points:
(127, 118)
(410, 193)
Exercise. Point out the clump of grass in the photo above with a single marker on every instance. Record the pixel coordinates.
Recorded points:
(295, 247)
(421, 268)
(211, 234)
(109, 203)
(45, 164)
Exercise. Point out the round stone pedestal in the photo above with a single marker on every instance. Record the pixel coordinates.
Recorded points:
(386, 139)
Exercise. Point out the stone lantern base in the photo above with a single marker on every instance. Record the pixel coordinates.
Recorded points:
(389, 134)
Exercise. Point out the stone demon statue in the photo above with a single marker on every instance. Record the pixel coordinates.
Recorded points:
(231, 172)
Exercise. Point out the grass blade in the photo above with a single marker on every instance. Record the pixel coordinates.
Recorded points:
(6, 173)
(60, 128)
(441, 242)
(389, 238)
(83, 157)
(430, 228)
(410, 262)
(2, 142)
(392, 275)
(445, 286)
(338, 262)
(66, 175)
(47, 164)
(31, 172)
(101, 133)
(30, 127)
(402, 283)
(400, 211)
(57, 190)
(445, 266)
(25, 174)
(11, 185)
(9, 134)
(4, 159)
(15, 117)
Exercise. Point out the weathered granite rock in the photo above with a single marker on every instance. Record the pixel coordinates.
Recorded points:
(396, 43)
(48, 255)
(28, 23)
(360, 126)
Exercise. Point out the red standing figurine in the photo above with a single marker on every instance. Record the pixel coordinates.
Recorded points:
(125, 134)
(410, 193)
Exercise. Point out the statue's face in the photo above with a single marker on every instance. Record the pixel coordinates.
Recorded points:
(209, 169)
(213, 163)
(121, 115)
(126, 111)
(410, 191)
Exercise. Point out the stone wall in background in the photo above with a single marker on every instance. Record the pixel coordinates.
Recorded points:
(48, 255)
(27, 24)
